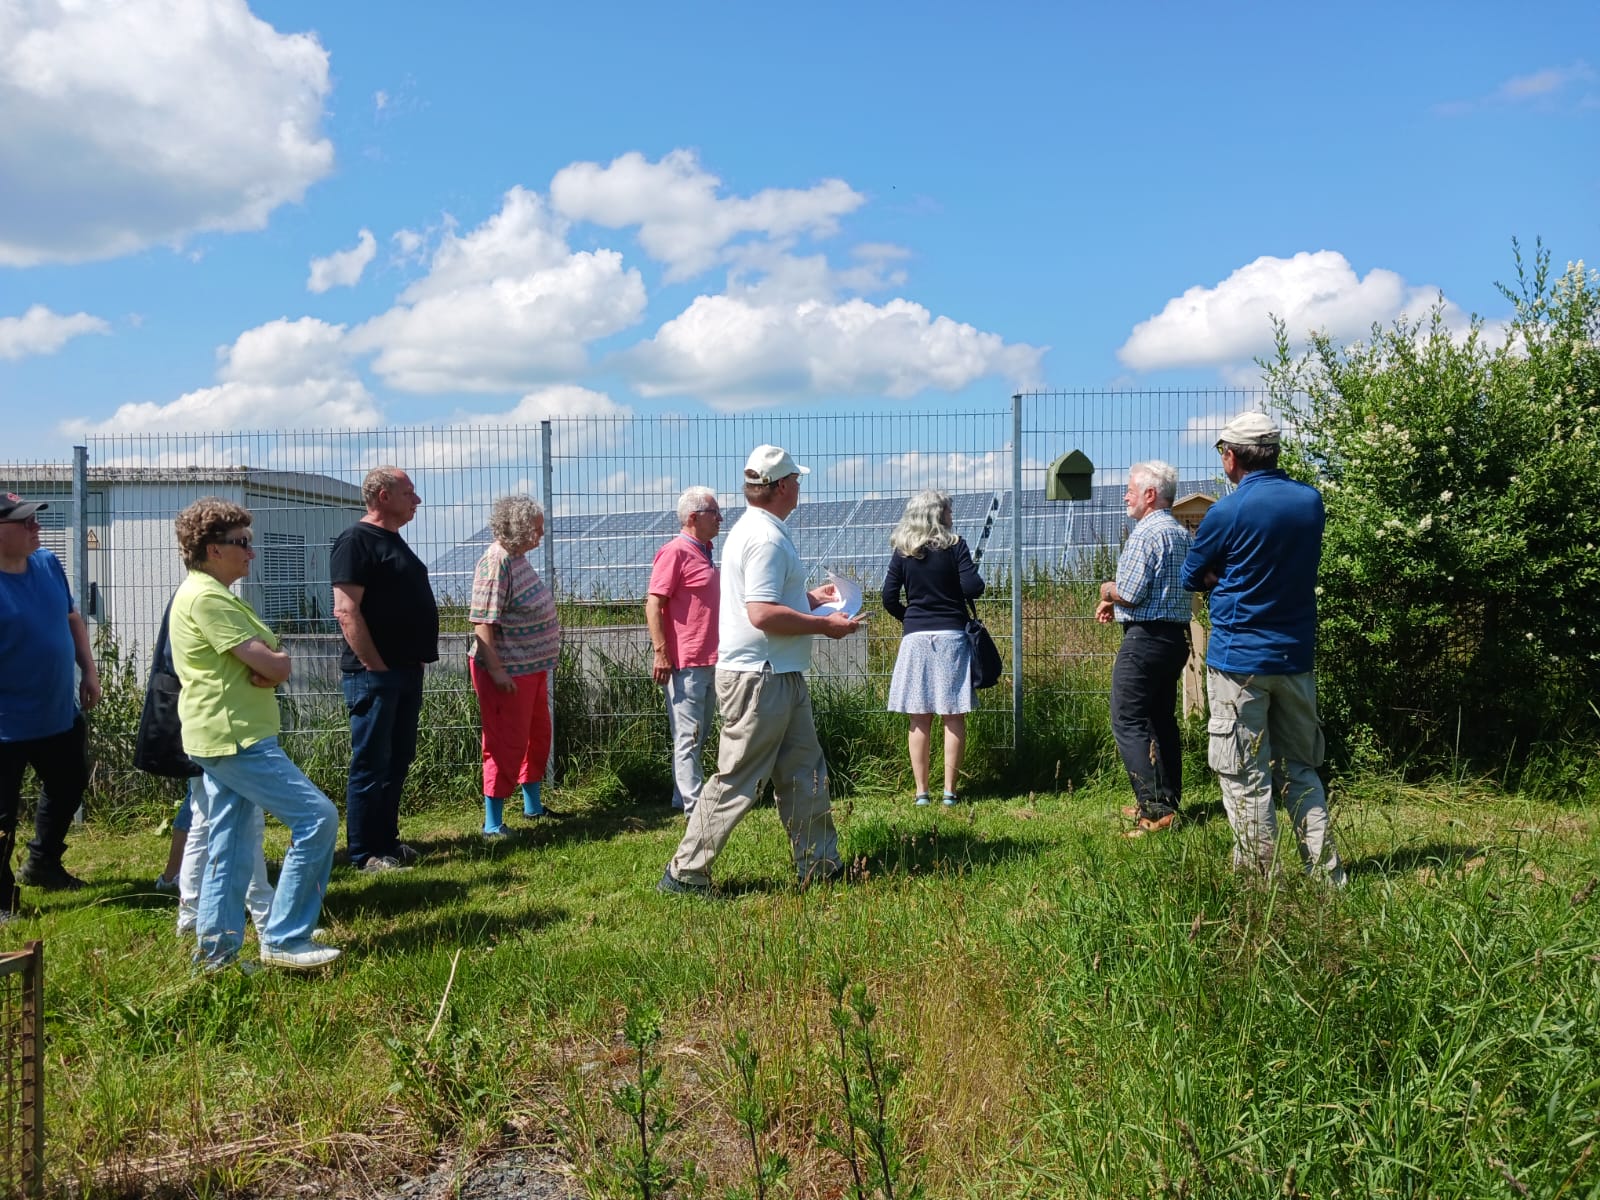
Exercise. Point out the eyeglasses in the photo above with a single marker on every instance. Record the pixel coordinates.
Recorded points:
(25, 522)
(708, 512)
(244, 543)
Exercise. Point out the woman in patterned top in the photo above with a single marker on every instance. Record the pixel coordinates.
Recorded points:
(515, 645)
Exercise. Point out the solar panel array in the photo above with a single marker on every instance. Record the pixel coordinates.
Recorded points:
(607, 557)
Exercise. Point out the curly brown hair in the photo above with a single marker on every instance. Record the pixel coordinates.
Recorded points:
(204, 523)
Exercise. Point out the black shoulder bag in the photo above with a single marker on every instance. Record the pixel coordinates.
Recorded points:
(986, 664)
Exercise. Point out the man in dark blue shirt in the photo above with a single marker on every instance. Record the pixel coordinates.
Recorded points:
(1257, 552)
(42, 638)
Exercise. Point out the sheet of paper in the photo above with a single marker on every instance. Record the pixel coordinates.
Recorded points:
(849, 601)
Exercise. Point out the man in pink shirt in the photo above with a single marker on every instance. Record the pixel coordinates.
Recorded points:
(681, 611)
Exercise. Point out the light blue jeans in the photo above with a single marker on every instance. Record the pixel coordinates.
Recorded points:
(261, 776)
(691, 705)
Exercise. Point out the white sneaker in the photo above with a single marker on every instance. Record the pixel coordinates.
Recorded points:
(302, 956)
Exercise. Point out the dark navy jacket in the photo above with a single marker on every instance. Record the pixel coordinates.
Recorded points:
(1264, 541)
(937, 587)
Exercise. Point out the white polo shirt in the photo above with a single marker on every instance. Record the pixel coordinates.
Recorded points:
(759, 563)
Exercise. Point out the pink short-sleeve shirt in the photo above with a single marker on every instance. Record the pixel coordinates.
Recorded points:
(687, 579)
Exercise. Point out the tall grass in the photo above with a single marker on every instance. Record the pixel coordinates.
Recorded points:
(1067, 1013)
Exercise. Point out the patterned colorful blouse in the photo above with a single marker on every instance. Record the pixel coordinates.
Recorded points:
(508, 594)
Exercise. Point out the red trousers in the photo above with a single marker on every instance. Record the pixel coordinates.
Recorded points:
(516, 730)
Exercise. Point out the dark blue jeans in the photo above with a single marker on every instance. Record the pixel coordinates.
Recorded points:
(61, 762)
(1144, 698)
(384, 708)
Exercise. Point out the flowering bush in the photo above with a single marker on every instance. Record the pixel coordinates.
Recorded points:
(1460, 573)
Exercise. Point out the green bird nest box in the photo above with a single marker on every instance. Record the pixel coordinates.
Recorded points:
(1071, 477)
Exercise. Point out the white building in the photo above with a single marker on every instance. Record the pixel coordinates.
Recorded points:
(133, 563)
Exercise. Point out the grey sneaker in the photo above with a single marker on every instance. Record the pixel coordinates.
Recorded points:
(382, 862)
(167, 887)
(407, 854)
(671, 885)
(298, 956)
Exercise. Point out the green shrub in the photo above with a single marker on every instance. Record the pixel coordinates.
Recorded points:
(1460, 563)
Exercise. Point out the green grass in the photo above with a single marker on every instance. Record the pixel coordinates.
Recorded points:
(1074, 1014)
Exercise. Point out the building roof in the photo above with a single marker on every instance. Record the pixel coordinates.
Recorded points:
(300, 483)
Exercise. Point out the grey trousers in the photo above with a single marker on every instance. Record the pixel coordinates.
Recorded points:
(690, 706)
(1266, 737)
(768, 732)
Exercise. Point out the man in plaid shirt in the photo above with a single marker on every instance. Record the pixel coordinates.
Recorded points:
(1148, 600)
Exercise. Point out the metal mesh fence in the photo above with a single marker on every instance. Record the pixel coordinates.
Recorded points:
(21, 1071)
(610, 485)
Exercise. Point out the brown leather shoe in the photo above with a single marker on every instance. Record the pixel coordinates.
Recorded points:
(1146, 826)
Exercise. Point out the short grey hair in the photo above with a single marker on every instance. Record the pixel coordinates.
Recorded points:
(379, 479)
(692, 501)
(512, 519)
(1157, 474)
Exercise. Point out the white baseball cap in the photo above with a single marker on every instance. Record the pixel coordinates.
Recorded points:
(1250, 429)
(768, 464)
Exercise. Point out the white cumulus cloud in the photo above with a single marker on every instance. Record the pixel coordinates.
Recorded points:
(281, 375)
(130, 123)
(1232, 322)
(504, 307)
(682, 220)
(343, 268)
(733, 352)
(40, 331)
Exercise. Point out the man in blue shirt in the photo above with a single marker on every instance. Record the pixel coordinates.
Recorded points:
(1148, 600)
(42, 638)
(1257, 552)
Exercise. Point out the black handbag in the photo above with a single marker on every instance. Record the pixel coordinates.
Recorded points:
(986, 664)
(158, 746)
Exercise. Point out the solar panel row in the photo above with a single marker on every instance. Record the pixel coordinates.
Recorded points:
(608, 556)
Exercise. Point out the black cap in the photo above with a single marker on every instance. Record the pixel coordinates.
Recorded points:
(14, 508)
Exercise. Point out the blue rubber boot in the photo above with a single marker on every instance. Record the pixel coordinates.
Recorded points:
(494, 817)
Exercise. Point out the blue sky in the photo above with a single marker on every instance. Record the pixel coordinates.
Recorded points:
(285, 215)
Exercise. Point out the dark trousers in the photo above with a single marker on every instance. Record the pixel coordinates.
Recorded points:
(61, 761)
(1144, 698)
(384, 708)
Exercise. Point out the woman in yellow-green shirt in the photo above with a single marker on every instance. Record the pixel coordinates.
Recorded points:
(229, 664)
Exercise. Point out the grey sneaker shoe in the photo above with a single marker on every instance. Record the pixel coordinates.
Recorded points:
(407, 854)
(382, 862)
(677, 887)
(167, 887)
(298, 956)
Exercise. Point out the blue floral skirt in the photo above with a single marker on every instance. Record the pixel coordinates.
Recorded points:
(933, 674)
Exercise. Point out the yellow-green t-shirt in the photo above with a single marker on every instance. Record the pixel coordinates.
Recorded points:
(222, 712)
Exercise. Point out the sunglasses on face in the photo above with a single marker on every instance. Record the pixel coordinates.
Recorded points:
(244, 543)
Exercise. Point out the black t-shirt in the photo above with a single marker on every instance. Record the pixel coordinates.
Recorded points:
(398, 602)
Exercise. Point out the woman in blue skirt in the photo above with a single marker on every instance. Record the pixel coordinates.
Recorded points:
(930, 579)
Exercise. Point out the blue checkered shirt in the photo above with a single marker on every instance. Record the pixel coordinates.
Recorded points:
(1150, 571)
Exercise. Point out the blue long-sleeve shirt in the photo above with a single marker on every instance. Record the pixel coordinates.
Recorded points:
(1264, 541)
(937, 587)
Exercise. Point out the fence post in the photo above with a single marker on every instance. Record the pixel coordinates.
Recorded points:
(547, 481)
(80, 549)
(33, 1072)
(1016, 574)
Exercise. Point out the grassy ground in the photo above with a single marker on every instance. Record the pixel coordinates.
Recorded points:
(1071, 1014)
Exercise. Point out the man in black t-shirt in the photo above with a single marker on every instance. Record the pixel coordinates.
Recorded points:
(390, 622)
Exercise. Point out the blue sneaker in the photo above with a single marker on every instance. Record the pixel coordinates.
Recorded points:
(950, 800)
(922, 800)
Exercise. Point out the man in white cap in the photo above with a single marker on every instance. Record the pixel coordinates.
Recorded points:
(766, 626)
(44, 643)
(1257, 552)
